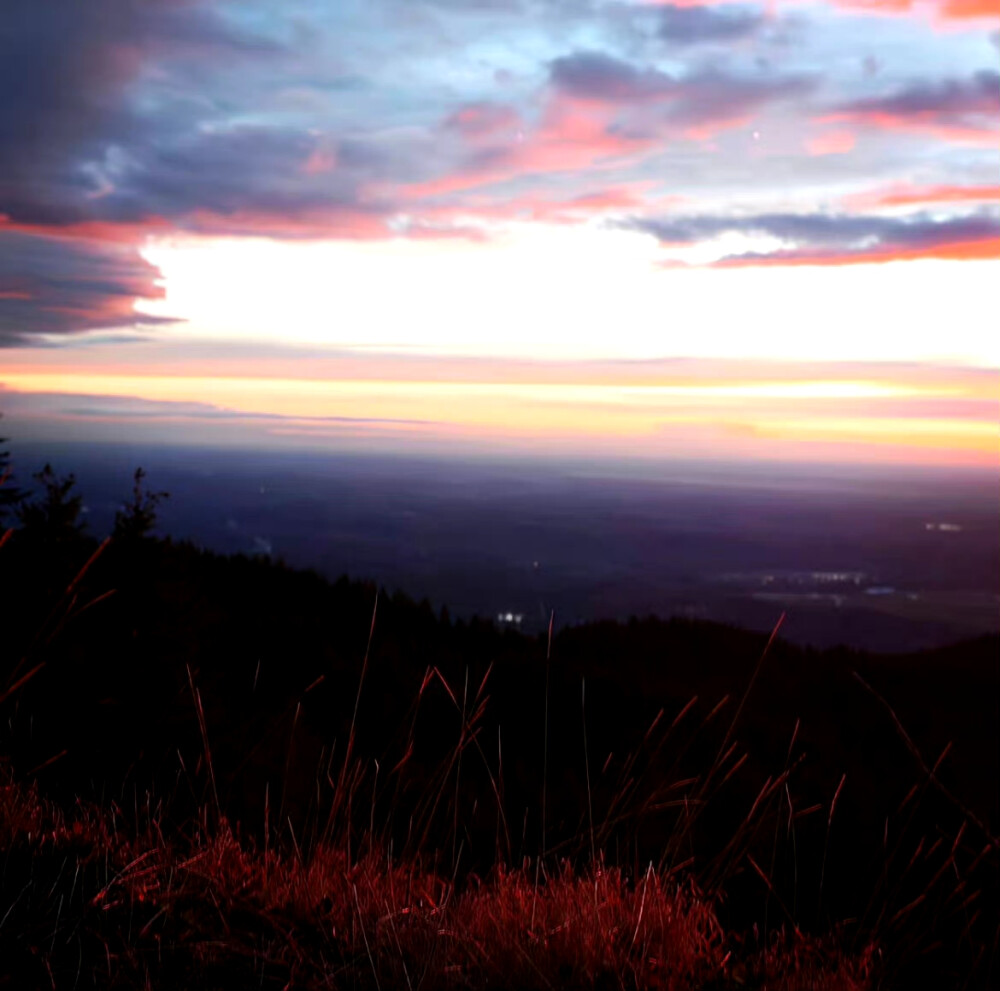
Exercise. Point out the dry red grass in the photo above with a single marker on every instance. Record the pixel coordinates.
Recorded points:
(96, 900)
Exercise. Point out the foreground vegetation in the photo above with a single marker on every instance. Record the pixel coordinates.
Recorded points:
(100, 902)
(221, 772)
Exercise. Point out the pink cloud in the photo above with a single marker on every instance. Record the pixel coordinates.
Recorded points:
(904, 194)
(58, 285)
(927, 122)
(571, 135)
(318, 224)
(711, 129)
(969, 8)
(103, 231)
(945, 10)
(423, 229)
(543, 207)
(942, 10)
(576, 134)
(482, 121)
(960, 109)
(831, 143)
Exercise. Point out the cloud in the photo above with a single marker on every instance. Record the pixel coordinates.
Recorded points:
(690, 25)
(121, 120)
(599, 112)
(597, 76)
(979, 94)
(831, 143)
(90, 147)
(835, 239)
(905, 194)
(67, 128)
(701, 100)
(245, 171)
(964, 110)
(135, 407)
(483, 121)
(51, 285)
(219, 182)
(944, 10)
(113, 126)
(962, 10)
(570, 136)
(969, 8)
(543, 206)
(712, 99)
(83, 160)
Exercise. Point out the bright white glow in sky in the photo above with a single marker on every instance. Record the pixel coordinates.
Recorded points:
(552, 292)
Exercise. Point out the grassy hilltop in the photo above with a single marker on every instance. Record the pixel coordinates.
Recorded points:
(219, 771)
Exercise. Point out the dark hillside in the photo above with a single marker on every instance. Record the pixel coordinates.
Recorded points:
(469, 748)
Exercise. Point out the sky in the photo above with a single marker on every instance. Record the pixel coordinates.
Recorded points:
(594, 227)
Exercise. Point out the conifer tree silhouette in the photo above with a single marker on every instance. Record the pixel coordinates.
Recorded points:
(138, 516)
(10, 495)
(54, 516)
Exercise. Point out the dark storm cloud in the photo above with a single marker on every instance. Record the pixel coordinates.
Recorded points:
(80, 142)
(831, 234)
(56, 286)
(66, 123)
(693, 25)
(81, 148)
(263, 170)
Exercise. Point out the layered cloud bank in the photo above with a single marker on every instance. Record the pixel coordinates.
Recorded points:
(161, 165)
(732, 410)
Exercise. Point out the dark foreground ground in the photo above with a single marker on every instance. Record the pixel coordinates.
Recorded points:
(221, 770)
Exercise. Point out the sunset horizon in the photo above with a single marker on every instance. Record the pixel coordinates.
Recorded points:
(720, 230)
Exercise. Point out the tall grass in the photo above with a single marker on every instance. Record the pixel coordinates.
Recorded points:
(101, 899)
(112, 895)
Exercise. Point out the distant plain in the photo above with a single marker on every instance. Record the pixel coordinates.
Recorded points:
(887, 559)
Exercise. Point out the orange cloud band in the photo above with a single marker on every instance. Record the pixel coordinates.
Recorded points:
(958, 251)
